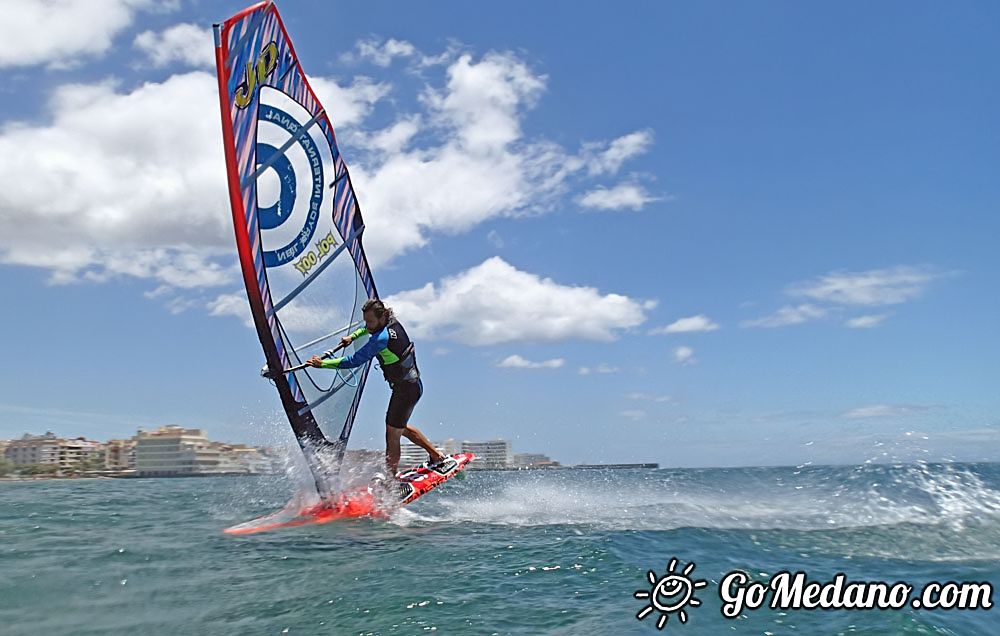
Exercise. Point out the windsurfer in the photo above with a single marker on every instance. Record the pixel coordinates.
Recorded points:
(388, 341)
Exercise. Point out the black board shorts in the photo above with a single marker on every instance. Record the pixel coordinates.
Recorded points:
(404, 397)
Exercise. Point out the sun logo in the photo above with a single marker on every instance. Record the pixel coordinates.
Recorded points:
(670, 593)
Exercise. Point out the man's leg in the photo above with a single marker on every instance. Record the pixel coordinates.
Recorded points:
(414, 435)
(392, 435)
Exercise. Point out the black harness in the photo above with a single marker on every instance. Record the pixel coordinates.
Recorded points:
(405, 369)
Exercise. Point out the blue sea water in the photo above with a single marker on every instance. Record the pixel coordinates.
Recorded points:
(540, 552)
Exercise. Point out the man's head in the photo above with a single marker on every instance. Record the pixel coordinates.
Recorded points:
(377, 315)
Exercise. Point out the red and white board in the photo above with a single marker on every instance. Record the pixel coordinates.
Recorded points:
(362, 502)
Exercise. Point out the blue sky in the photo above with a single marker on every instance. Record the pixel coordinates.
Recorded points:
(740, 234)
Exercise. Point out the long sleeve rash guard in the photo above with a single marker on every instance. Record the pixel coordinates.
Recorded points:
(376, 343)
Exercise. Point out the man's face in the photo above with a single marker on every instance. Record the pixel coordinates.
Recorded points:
(372, 323)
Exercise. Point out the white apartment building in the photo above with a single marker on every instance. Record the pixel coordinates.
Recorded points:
(49, 450)
(413, 455)
(172, 451)
(492, 454)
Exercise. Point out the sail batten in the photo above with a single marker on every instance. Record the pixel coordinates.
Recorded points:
(355, 233)
(336, 332)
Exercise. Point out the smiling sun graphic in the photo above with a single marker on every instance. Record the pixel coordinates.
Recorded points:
(670, 593)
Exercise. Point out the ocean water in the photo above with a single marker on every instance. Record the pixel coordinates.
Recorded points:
(558, 552)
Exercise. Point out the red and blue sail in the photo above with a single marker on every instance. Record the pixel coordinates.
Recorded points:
(298, 228)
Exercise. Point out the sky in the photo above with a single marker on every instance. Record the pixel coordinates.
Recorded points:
(698, 234)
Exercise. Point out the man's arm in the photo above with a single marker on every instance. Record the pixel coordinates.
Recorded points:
(362, 355)
(349, 338)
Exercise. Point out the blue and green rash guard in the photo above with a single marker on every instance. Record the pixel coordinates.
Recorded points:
(393, 348)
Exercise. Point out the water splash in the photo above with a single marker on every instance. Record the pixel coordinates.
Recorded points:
(804, 498)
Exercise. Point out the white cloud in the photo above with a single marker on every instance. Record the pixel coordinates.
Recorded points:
(786, 316)
(610, 159)
(634, 414)
(453, 50)
(625, 195)
(382, 53)
(391, 140)
(181, 268)
(601, 368)
(482, 100)
(866, 322)
(886, 410)
(349, 105)
(102, 191)
(132, 181)
(60, 32)
(648, 397)
(231, 305)
(841, 290)
(494, 303)
(477, 164)
(691, 324)
(517, 362)
(128, 183)
(187, 44)
(871, 288)
(684, 355)
(495, 239)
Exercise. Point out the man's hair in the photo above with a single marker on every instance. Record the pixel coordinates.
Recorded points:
(378, 308)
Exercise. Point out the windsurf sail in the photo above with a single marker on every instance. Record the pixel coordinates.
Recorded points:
(298, 229)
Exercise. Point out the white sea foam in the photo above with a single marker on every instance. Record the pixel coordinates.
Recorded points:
(822, 498)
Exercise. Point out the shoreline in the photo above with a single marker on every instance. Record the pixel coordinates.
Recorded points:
(21, 479)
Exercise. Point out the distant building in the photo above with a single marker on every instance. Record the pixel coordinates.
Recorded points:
(449, 446)
(34, 450)
(533, 460)
(413, 455)
(242, 459)
(72, 452)
(172, 451)
(119, 454)
(492, 454)
(354, 458)
(364, 455)
(49, 450)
